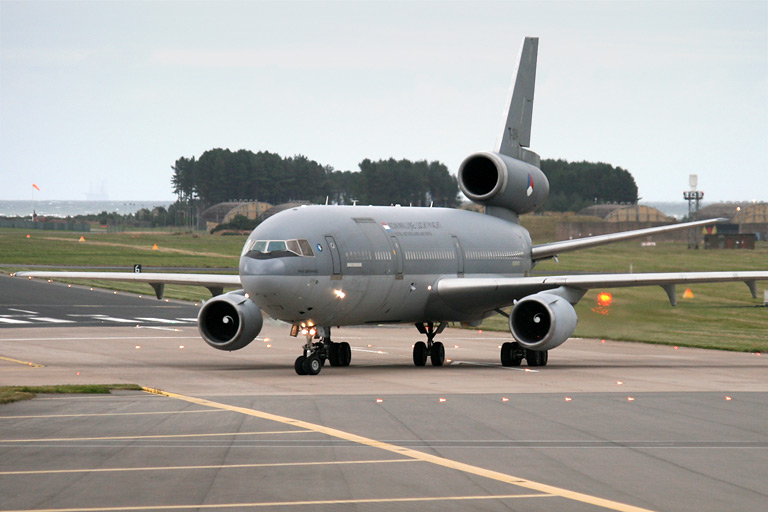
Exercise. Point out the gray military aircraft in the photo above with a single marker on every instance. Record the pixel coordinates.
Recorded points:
(320, 266)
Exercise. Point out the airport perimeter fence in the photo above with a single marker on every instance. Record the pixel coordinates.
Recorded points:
(48, 226)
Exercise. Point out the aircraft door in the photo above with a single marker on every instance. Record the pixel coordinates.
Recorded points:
(335, 257)
(459, 256)
(398, 253)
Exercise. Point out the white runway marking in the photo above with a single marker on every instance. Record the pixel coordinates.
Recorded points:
(369, 351)
(107, 318)
(158, 320)
(493, 365)
(52, 320)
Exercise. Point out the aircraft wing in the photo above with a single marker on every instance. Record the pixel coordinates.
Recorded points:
(503, 291)
(540, 252)
(214, 282)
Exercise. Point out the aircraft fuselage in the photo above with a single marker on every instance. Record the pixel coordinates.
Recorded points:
(372, 264)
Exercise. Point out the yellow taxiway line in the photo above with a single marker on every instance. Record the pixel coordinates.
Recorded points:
(25, 363)
(107, 414)
(159, 436)
(289, 503)
(414, 454)
(219, 466)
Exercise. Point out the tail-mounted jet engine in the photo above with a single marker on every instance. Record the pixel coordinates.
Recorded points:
(230, 321)
(493, 179)
(542, 321)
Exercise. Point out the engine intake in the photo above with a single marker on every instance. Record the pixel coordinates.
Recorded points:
(230, 321)
(542, 321)
(494, 179)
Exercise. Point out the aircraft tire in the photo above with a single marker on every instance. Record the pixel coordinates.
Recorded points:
(333, 354)
(345, 354)
(536, 357)
(437, 354)
(312, 365)
(299, 365)
(420, 353)
(511, 354)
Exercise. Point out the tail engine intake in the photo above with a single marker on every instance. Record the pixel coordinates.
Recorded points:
(542, 321)
(230, 321)
(493, 179)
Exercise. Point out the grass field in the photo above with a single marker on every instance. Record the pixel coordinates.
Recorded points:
(10, 394)
(723, 316)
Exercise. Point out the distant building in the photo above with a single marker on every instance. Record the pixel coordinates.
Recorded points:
(626, 213)
(224, 212)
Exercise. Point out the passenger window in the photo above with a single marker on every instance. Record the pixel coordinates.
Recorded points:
(276, 245)
(306, 249)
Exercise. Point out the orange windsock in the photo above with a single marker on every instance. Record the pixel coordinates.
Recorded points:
(35, 187)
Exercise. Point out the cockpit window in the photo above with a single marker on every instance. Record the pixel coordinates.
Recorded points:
(293, 246)
(276, 245)
(261, 249)
(306, 249)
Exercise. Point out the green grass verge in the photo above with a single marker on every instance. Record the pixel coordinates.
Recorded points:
(10, 394)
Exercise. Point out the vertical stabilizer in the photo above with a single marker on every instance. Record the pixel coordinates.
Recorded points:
(516, 132)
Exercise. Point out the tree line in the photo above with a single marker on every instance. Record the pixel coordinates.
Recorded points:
(576, 185)
(222, 175)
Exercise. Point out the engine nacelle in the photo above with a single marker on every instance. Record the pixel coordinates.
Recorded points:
(542, 321)
(494, 179)
(230, 321)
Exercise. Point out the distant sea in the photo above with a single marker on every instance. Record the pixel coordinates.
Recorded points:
(72, 208)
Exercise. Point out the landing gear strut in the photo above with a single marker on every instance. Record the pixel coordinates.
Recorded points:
(315, 353)
(434, 349)
(512, 354)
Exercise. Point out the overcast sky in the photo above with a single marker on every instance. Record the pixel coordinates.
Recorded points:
(110, 94)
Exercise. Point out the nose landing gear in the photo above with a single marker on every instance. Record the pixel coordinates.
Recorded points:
(315, 353)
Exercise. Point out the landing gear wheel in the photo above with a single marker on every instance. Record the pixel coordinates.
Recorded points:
(299, 365)
(437, 354)
(345, 354)
(536, 357)
(420, 353)
(312, 365)
(333, 354)
(511, 354)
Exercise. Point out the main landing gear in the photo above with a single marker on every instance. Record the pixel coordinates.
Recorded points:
(512, 354)
(315, 353)
(434, 349)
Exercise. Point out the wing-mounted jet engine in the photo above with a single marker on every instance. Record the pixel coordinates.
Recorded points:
(230, 321)
(542, 321)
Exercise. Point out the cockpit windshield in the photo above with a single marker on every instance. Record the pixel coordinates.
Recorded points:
(262, 249)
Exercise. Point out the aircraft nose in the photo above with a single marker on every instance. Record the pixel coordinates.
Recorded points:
(266, 267)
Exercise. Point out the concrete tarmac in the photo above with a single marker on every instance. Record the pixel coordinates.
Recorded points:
(605, 426)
